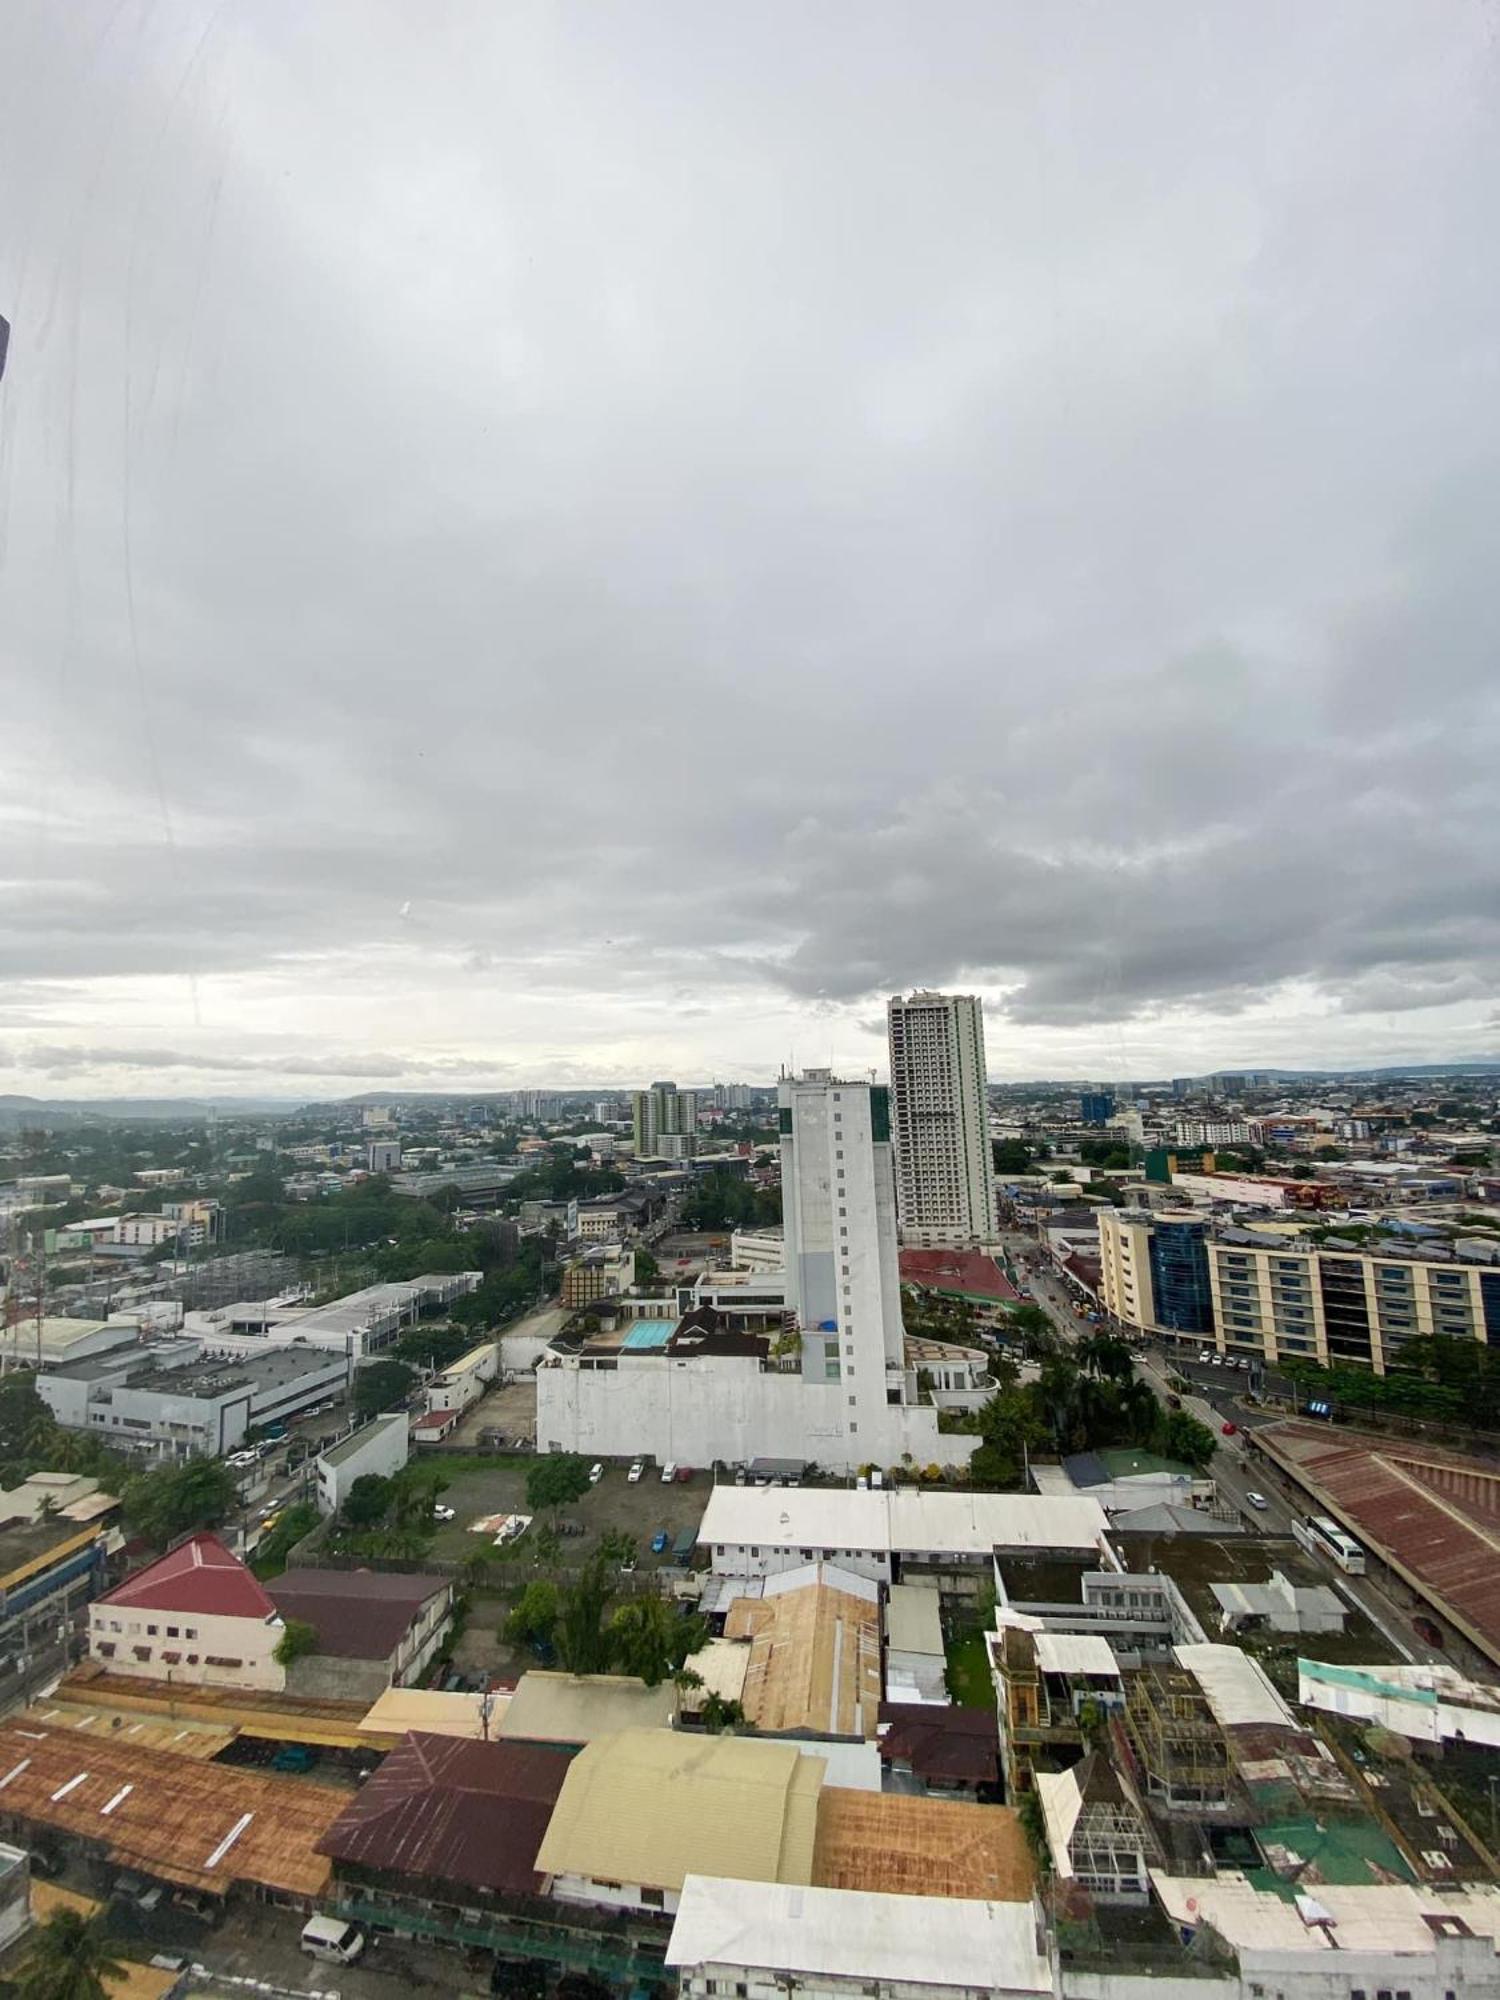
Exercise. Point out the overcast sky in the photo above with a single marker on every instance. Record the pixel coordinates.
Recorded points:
(558, 543)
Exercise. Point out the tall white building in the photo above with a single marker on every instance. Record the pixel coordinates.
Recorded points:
(664, 1112)
(843, 1278)
(843, 1395)
(945, 1177)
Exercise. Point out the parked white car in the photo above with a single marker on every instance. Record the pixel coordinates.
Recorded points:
(635, 1472)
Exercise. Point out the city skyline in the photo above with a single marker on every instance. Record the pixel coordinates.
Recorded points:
(1004, 506)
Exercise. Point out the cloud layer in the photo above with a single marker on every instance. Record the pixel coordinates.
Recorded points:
(603, 542)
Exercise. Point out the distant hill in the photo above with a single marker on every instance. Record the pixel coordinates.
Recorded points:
(16, 1111)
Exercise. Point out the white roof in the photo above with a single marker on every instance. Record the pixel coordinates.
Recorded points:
(1236, 1686)
(830, 1575)
(914, 1620)
(1076, 1653)
(1373, 1918)
(853, 1934)
(1062, 1802)
(897, 1521)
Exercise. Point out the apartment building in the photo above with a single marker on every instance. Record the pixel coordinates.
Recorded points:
(660, 1114)
(945, 1177)
(1272, 1301)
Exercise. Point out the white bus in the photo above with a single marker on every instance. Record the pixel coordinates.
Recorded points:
(1327, 1538)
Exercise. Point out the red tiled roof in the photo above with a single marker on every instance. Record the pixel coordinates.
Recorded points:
(965, 1271)
(200, 1574)
(1431, 1514)
(453, 1810)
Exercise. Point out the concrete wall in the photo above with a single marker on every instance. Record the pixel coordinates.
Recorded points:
(381, 1448)
(694, 1412)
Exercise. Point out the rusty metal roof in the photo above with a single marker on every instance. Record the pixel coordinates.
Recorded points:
(178, 1819)
(451, 1809)
(1431, 1515)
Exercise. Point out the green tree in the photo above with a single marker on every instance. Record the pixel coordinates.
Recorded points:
(721, 1713)
(381, 1385)
(534, 1615)
(651, 1638)
(647, 1270)
(617, 1547)
(1184, 1437)
(273, 1549)
(297, 1638)
(368, 1501)
(1102, 1355)
(582, 1643)
(1011, 1156)
(174, 1500)
(555, 1480)
(69, 1957)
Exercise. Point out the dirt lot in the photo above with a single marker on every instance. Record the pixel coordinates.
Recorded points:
(509, 1407)
(498, 1486)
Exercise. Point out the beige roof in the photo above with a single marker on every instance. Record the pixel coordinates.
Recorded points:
(721, 1665)
(400, 1710)
(648, 1806)
(814, 1660)
(575, 1708)
(913, 1620)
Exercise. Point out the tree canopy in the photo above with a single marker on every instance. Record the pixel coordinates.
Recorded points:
(173, 1500)
(69, 1957)
(555, 1480)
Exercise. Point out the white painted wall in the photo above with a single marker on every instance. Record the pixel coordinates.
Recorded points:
(381, 1449)
(244, 1647)
(696, 1411)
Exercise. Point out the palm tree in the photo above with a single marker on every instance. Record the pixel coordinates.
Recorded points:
(70, 1958)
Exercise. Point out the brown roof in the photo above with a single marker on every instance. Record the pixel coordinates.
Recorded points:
(358, 1614)
(814, 1663)
(897, 1845)
(942, 1744)
(454, 1810)
(204, 1826)
(1430, 1514)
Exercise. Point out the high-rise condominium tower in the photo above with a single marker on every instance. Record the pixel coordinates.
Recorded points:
(661, 1113)
(945, 1176)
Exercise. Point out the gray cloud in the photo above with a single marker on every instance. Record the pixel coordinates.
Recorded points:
(714, 537)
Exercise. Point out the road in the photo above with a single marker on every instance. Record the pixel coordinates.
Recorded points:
(1215, 1401)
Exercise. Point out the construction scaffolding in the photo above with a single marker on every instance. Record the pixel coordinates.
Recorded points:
(1180, 1753)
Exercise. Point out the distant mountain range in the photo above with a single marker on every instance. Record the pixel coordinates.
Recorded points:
(16, 1111)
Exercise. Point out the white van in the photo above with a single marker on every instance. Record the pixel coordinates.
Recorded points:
(332, 1940)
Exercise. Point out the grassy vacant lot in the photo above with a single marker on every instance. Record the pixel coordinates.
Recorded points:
(498, 1485)
(969, 1670)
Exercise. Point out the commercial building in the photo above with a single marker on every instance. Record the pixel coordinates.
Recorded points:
(173, 1400)
(465, 1380)
(768, 1942)
(1096, 1107)
(1216, 1132)
(837, 1390)
(945, 1178)
(813, 1636)
(664, 1112)
(196, 1616)
(379, 1450)
(359, 1324)
(383, 1156)
(1268, 1298)
(905, 1844)
(602, 1271)
(572, 1709)
(50, 1568)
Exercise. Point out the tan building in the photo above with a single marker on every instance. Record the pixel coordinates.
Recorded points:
(814, 1646)
(196, 1616)
(1275, 1300)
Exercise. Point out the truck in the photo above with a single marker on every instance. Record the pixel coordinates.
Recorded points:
(682, 1548)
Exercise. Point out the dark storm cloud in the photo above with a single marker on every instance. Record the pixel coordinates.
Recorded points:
(726, 507)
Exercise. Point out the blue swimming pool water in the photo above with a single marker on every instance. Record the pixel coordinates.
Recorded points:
(649, 1333)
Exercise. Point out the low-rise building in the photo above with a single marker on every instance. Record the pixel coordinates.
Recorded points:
(464, 1381)
(600, 1271)
(196, 1617)
(1429, 1704)
(756, 1531)
(642, 1808)
(814, 1641)
(1096, 1834)
(572, 1709)
(915, 1656)
(382, 1629)
(173, 1400)
(947, 1749)
(764, 1941)
(1278, 1605)
(50, 1569)
(379, 1450)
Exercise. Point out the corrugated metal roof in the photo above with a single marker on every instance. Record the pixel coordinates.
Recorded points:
(899, 1520)
(178, 1819)
(914, 1620)
(647, 1805)
(358, 1614)
(198, 1575)
(814, 1660)
(832, 1933)
(1433, 1515)
(1235, 1686)
(575, 1708)
(454, 1811)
